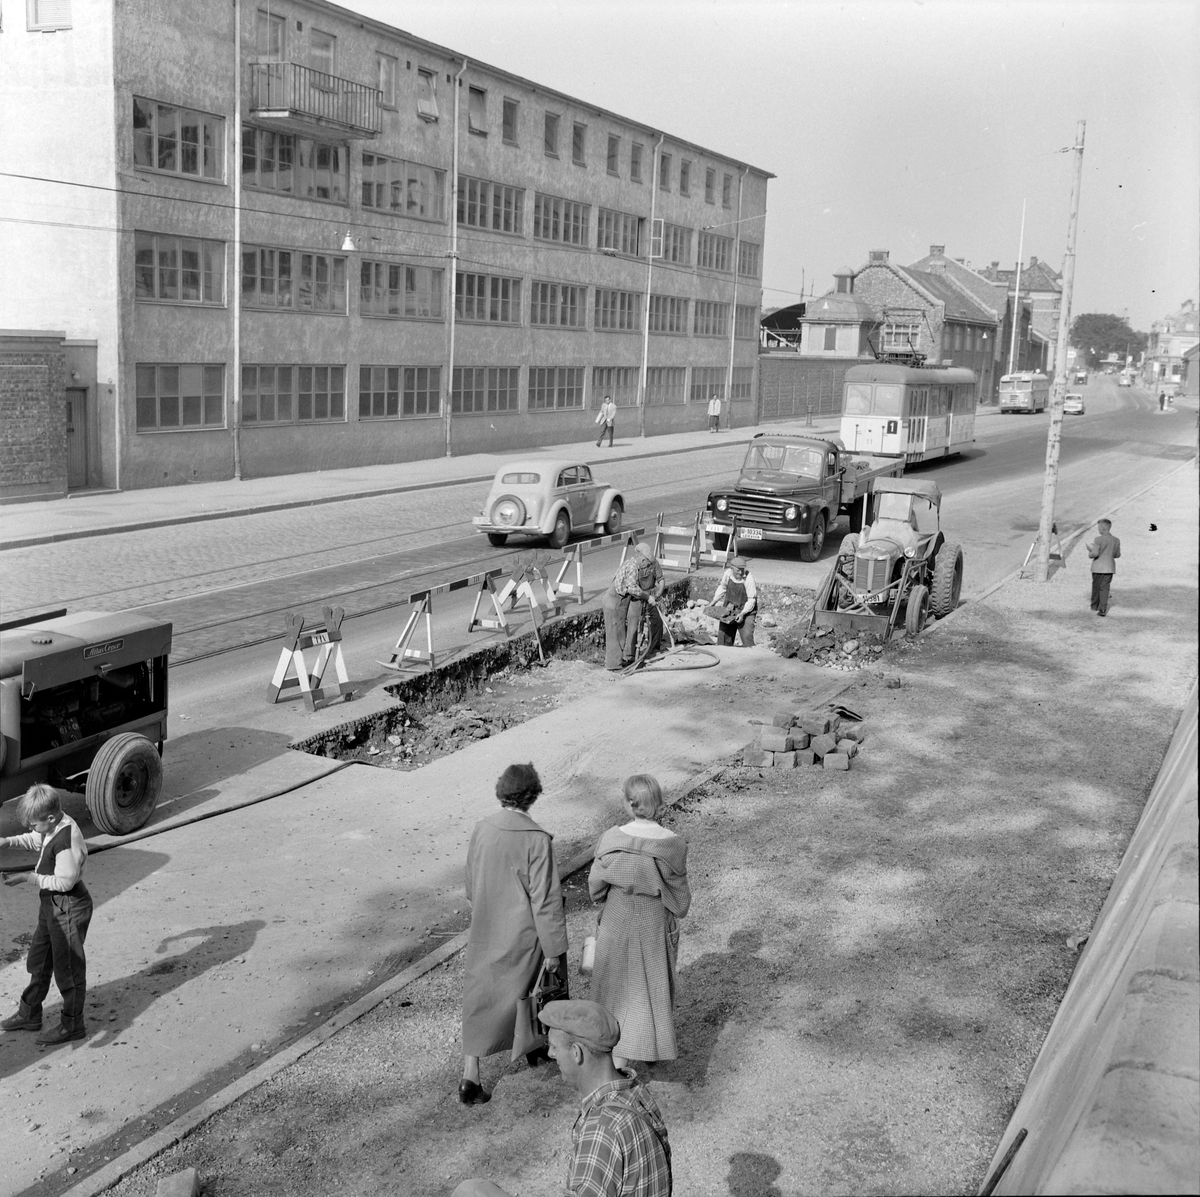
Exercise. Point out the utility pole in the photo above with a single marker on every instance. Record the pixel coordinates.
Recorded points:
(1016, 308)
(1041, 570)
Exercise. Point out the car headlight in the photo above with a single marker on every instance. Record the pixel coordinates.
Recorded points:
(910, 552)
(722, 504)
(789, 513)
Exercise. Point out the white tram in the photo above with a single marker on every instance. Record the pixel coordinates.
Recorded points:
(914, 412)
(1024, 392)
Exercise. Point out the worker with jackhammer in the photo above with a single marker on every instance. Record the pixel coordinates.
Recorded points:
(638, 581)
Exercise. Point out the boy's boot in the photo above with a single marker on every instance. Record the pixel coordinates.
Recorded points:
(25, 1019)
(66, 1030)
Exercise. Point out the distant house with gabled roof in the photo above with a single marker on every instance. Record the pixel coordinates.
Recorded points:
(1043, 285)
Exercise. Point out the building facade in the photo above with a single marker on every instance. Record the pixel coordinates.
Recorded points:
(1041, 285)
(295, 238)
(1171, 338)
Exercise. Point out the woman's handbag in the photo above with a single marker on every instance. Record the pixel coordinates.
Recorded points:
(528, 1034)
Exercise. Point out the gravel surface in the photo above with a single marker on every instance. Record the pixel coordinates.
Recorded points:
(872, 958)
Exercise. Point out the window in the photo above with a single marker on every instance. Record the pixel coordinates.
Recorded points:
(45, 16)
(284, 278)
(551, 135)
(958, 336)
(579, 144)
(180, 396)
(509, 128)
(485, 388)
(745, 322)
(394, 289)
(664, 172)
(677, 244)
(727, 191)
(178, 140)
(749, 259)
(830, 336)
(743, 383)
(714, 252)
(618, 311)
(668, 314)
(486, 205)
(619, 231)
(293, 394)
(711, 319)
(269, 35)
(614, 152)
(618, 382)
(477, 110)
(710, 185)
(294, 165)
(558, 305)
(179, 269)
(635, 162)
(427, 108)
(422, 391)
(900, 335)
(322, 51)
(378, 392)
(405, 188)
(488, 298)
(552, 387)
(666, 384)
(708, 382)
(685, 177)
(556, 219)
(388, 67)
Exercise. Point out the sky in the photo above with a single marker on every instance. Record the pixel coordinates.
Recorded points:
(899, 124)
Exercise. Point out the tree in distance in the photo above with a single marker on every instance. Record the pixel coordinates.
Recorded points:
(1097, 334)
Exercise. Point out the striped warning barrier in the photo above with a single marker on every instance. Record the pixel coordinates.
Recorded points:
(422, 603)
(326, 637)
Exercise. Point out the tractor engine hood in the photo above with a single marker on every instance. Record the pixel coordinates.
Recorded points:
(772, 482)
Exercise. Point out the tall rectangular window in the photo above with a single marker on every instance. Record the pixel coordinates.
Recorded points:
(614, 155)
(322, 52)
(179, 269)
(422, 394)
(619, 231)
(378, 392)
(386, 77)
(830, 337)
(404, 188)
(749, 259)
(178, 141)
(685, 177)
(171, 397)
(710, 185)
(668, 314)
(708, 382)
(477, 110)
(488, 298)
(509, 127)
(579, 144)
(664, 172)
(486, 205)
(557, 305)
(397, 290)
(269, 32)
(618, 311)
(557, 219)
(745, 322)
(710, 319)
(427, 107)
(714, 252)
(555, 387)
(293, 394)
(677, 244)
(743, 383)
(635, 162)
(618, 382)
(727, 191)
(666, 384)
(551, 135)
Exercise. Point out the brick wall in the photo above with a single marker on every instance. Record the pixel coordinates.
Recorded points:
(882, 288)
(788, 384)
(33, 420)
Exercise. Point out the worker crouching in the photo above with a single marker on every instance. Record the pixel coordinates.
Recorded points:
(638, 581)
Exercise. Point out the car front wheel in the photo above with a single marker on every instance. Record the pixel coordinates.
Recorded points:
(498, 539)
(562, 530)
(615, 515)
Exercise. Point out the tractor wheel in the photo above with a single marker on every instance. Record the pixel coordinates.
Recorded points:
(498, 539)
(946, 587)
(615, 515)
(123, 784)
(916, 611)
(562, 530)
(849, 545)
(812, 550)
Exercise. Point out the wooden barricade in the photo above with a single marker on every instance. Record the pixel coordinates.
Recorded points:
(405, 651)
(575, 588)
(497, 622)
(707, 552)
(675, 548)
(327, 638)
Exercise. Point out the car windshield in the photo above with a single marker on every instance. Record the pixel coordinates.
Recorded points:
(893, 506)
(521, 479)
(786, 459)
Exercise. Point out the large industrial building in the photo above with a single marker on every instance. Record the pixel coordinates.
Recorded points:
(252, 239)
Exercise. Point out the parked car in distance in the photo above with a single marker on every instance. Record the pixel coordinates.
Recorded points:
(1080, 377)
(1125, 380)
(548, 498)
(1073, 404)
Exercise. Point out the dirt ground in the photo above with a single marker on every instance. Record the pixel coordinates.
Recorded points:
(871, 960)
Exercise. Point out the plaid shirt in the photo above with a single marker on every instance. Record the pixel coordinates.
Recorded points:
(621, 1147)
(637, 574)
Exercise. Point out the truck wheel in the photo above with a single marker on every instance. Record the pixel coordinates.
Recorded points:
(615, 514)
(812, 550)
(562, 530)
(498, 539)
(947, 580)
(916, 612)
(123, 784)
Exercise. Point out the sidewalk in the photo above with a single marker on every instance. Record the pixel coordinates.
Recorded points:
(100, 513)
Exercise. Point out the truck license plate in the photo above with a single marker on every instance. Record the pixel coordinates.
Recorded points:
(749, 533)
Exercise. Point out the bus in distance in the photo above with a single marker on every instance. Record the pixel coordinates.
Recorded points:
(1024, 392)
(914, 412)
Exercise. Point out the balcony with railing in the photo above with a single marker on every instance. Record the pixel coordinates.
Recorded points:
(298, 98)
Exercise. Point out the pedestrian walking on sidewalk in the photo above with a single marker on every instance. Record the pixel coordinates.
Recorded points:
(638, 580)
(1162, 400)
(737, 591)
(607, 419)
(517, 922)
(639, 876)
(1103, 551)
(714, 413)
(64, 912)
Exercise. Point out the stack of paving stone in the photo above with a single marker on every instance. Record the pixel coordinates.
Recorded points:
(805, 738)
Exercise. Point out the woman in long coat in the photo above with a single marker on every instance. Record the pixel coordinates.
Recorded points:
(640, 874)
(517, 921)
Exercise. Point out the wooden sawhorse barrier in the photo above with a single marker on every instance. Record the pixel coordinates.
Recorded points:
(327, 637)
(404, 651)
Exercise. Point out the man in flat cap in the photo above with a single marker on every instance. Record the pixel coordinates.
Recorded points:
(737, 593)
(620, 1139)
(638, 580)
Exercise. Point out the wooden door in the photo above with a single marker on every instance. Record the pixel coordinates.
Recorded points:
(77, 456)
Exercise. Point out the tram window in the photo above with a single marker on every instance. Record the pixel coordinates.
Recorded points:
(887, 401)
(858, 399)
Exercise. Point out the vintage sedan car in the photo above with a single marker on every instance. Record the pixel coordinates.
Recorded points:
(550, 498)
(1073, 404)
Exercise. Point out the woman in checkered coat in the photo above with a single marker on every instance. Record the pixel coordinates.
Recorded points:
(640, 876)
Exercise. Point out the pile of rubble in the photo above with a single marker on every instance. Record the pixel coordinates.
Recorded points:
(790, 740)
(828, 648)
